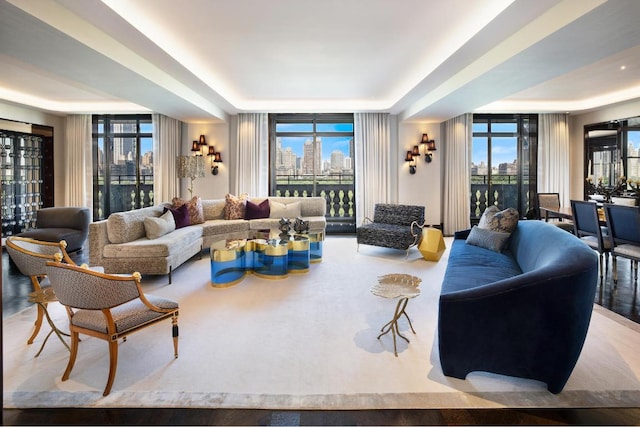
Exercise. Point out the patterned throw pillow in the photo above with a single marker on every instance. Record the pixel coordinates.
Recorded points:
(493, 240)
(234, 206)
(194, 206)
(505, 221)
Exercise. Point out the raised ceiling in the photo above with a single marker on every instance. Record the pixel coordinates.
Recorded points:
(424, 60)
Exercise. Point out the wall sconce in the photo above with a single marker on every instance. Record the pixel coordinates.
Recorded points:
(429, 145)
(196, 146)
(215, 159)
(412, 162)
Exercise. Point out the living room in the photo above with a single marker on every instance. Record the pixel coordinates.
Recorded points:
(498, 66)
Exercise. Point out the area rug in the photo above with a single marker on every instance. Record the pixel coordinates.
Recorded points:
(308, 341)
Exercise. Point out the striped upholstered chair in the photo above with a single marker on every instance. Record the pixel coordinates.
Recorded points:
(107, 307)
(31, 257)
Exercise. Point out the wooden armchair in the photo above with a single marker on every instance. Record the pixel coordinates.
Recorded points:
(31, 257)
(107, 307)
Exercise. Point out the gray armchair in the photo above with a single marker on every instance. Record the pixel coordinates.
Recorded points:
(70, 224)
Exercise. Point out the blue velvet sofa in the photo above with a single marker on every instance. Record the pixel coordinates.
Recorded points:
(522, 312)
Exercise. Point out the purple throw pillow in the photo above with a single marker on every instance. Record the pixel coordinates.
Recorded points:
(180, 215)
(255, 211)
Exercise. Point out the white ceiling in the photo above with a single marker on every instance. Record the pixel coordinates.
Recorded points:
(425, 60)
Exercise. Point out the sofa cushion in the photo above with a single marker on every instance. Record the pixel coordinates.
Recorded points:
(127, 226)
(164, 246)
(224, 226)
(281, 210)
(156, 227)
(471, 266)
(234, 206)
(194, 207)
(180, 216)
(255, 211)
(493, 240)
(494, 219)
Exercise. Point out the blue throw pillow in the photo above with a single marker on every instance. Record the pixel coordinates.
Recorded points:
(493, 240)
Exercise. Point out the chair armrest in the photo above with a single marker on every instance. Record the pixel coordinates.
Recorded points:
(366, 220)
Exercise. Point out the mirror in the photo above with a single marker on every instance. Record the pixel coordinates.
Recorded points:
(612, 158)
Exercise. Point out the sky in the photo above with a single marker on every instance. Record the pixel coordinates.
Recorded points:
(329, 144)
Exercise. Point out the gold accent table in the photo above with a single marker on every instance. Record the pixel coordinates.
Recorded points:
(432, 244)
(42, 298)
(403, 286)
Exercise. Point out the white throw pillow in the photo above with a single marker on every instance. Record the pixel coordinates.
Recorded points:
(157, 227)
(280, 210)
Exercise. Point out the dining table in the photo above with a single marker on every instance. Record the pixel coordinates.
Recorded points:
(565, 212)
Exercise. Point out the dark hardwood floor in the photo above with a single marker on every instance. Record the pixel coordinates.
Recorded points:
(622, 299)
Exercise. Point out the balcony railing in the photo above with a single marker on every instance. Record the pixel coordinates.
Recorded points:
(338, 191)
(504, 192)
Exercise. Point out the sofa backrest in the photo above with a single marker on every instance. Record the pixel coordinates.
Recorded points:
(309, 206)
(213, 209)
(387, 213)
(123, 227)
(540, 245)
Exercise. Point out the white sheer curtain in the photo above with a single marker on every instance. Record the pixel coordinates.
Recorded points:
(79, 174)
(457, 163)
(166, 149)
(553, 156)
(252, 155)
(372, 136)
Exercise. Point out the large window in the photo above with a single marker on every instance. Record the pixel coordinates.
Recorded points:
(312, 155)
(122, 163)
(503, 165)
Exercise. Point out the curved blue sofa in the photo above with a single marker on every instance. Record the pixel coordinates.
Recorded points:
(523, 312)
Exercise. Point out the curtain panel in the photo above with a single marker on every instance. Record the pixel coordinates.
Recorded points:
(78, 152)
(457, 179)
(166, 149)
(372, 138)
(553, 156)
(252, 155)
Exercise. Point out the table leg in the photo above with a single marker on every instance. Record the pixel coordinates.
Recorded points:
(392, 325)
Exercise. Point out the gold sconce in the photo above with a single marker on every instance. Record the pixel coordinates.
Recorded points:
(216, 158)
(429, 146)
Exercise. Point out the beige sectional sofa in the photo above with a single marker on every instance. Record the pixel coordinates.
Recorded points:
(120, 244)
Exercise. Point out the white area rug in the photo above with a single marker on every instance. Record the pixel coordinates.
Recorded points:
(305, 342)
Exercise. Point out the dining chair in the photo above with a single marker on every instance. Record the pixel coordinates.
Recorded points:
(31, 256)
(586, 226)
(552, 201)
(108, 307)
(623, 223)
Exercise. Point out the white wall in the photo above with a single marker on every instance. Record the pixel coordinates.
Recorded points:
(424, 188)
(576, 138)
(211, 186)
(28, 115)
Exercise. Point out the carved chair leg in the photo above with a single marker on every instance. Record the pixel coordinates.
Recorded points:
(35, 282)
(75, 338)
(113, 364)
(37, 324)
